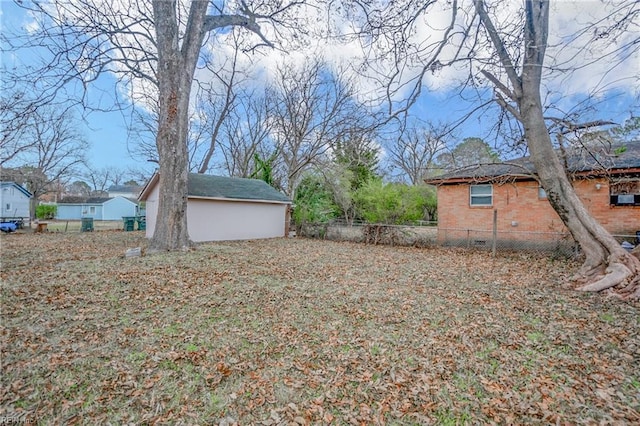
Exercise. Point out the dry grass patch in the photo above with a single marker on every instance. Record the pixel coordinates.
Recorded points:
(313, 332)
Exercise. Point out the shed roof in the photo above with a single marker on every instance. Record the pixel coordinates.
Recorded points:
(216, 187)
(211, 186)
(618, 158)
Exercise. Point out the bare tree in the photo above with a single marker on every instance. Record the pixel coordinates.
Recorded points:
(55, 151)
(177, 59)
(217, 98)
(102, 178)
(414, 152)
(607, 264)
(79, 188)
(154, 47)
(15, 112)
(515, 67)
(245, 135)
(311, 108)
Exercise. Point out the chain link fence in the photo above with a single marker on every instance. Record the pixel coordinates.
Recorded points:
(425, 234)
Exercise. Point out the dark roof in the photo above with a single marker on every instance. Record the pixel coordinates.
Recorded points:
(617, 158)
(83, 200)
(133, 189)
(210, 186)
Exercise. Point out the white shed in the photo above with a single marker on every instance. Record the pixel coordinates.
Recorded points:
(223, 208)
(14, 200)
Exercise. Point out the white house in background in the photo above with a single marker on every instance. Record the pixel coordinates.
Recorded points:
(126, 191)
(223, 208)
(14, 200)
(98, 208)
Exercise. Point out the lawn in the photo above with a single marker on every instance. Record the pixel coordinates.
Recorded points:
(296, 331)
(75, 225)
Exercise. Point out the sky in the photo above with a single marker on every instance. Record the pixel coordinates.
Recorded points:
(106, 132)
(110, 144)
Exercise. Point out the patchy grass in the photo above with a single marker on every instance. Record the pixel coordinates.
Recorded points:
(76, 225)
(312, 332)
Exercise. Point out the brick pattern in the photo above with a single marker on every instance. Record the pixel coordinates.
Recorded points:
(521, 210)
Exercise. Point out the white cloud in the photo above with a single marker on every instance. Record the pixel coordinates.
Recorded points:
(585, 74)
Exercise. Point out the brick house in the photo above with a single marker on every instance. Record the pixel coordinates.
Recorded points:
(608, 183)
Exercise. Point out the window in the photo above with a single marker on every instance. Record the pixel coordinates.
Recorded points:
(625, 192)
(481, 195)
(7, 207)
(92, 210)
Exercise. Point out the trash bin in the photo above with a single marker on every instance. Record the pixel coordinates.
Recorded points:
(87, 224)
(142, 223)
(128, 221)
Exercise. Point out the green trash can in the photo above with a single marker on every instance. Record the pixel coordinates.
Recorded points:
(142, 223)
(128, 221)
(87, 224)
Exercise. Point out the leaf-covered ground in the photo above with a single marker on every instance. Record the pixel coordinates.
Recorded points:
(300, 331)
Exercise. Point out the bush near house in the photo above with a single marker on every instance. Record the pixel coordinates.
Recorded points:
(394, 203)
(46, 211)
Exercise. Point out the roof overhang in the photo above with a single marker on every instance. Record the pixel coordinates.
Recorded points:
(146, 190)
(585, 174)
(237, 200)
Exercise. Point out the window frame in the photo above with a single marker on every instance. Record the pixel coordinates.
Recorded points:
(473, 196)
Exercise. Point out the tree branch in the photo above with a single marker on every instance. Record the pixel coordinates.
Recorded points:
(505, 59)
(506, 105)
(504, 89)
(212, 22)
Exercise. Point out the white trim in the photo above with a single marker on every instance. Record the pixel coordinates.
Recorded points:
(471, 195)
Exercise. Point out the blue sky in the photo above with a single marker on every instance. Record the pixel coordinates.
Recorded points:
(106, 132)
(111, 146)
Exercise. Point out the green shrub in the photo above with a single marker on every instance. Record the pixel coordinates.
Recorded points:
(394, 203)
(46, 211)
(313, 203)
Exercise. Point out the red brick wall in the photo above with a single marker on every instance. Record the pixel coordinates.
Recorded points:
(520, 209)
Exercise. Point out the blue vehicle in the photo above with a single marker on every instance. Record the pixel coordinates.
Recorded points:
(8, 227)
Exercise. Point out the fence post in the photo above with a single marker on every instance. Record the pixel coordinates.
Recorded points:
(495, 232)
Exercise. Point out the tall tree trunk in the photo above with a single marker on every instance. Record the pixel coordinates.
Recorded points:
(171, 231)
(175, 69)
(606, 264)
(177, 59)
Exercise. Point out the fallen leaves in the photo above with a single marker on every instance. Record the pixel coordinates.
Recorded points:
(294, 331)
